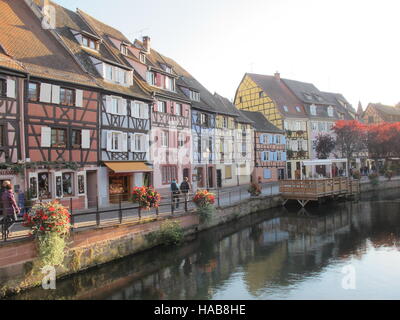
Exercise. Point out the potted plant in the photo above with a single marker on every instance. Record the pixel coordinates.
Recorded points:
(356, 175)
(146, 197)
(50, 225)
(204, 201)
(254, 190)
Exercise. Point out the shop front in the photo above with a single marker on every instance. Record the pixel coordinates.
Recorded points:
(123, 176)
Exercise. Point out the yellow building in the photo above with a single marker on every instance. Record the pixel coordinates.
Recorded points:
(270, 96)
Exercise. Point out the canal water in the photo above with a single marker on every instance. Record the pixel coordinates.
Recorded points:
(347, 250)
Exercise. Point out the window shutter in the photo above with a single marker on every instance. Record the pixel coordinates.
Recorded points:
(109, 140)
(79, 98)
(155, 107)
(46, 137)
(45, 92)
(85, 139)
(124, 107)
(124, 143)
(295, 146)
(283, 140)
(108, 104)
(146, 111)
(143, 111)
(55, 94)
(284, 156)
(303, 126)
(11, 88)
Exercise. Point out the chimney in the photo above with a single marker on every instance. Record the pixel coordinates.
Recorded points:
(146, 44)
(277, 75)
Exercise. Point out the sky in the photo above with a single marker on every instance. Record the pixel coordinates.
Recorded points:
(344, 46)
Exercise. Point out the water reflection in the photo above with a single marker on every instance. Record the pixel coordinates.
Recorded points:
(273, 255)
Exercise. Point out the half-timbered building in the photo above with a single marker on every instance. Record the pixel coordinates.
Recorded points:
(242, 144)
(123, 119)
(171, 148)
(59, 113)
(269, 149)
(12, 76)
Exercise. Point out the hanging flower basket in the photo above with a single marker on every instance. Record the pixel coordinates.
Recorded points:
(50, 225)
(146, 197)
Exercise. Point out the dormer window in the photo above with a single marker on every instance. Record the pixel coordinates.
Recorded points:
(313, 110)
(307, 96)
(90, 43)
(286, 108)
(124, 49)
(330, 111)
(298, 109)
(195, 96)
(142, 57)
(169, 84)
(168, 69)
(151, 78)
(117, 75)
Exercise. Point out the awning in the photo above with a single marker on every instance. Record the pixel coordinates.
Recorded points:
(128, 167)
(322, 162)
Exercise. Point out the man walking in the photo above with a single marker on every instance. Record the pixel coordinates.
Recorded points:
(185, 188)
(175, 193)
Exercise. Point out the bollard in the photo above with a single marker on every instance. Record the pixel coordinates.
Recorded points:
(97, 212)
(120, 209)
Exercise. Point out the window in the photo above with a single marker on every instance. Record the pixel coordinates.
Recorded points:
(267, 174)
(116, 105)
(89, 43)
(181, 140)
(168, 174)
(307, 96)
(178, 110)
(204, 119)
(124, 49)
(168, 69)
(76, 139)
(162, 106)
(138, 139)
(68, 185)
(370, 119)
(286, 108)
(164, 139)
(58, 138)
(142, 57)
(330, 111)
(33, 91)
(2, 136)
(278, 139)
(298, 109)
(67, 97)
(151, 78)
(314, 126)
(313, 110)
(115, 139)
(195, 96)
(44, 185)
(240, 99)
(261, 94)
(109, 72)
(3, 88)
(169, 84)
(228, 172)
(225, 122)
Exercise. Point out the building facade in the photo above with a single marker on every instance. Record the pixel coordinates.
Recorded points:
(269, 149)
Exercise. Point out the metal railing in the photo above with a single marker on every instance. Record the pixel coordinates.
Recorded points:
(122, 210)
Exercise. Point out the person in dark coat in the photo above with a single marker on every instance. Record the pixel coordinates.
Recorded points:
(10, 207)
(175, 193)
(185, 187)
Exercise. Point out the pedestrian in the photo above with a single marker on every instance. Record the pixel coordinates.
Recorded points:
(10, 207)
(175, 193)
(185, 188)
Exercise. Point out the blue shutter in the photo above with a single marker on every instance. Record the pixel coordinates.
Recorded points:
(283, 140)
(262, 139)
(269, 139)
(283, 156)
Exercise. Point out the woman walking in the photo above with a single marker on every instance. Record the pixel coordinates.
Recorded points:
(10, 207)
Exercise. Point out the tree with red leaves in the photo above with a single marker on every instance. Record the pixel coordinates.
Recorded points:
(383, 140)
(351, 138)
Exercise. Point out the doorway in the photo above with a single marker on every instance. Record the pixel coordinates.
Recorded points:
(119, 186)
(200, 181)
(91, 188)
(186, 173)
(210, 177)
(219, 178)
